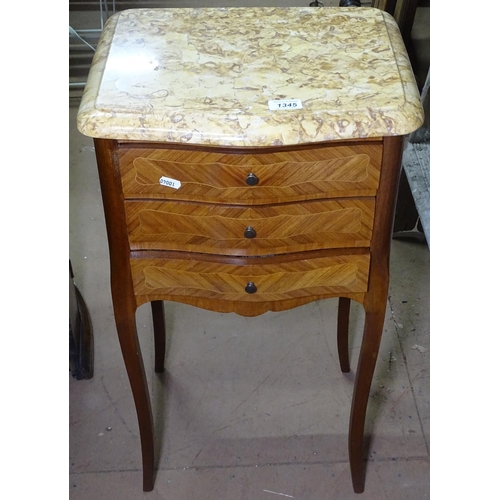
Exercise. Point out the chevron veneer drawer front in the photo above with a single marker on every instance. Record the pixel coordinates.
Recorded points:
(251, 178)
(254, 230)
(249, 280)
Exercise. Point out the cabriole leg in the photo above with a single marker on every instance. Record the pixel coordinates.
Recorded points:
(374, 324)
(127, 333)
(343, 333)
(159, 335)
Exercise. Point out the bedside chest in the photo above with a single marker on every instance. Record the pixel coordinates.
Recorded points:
(249, 160)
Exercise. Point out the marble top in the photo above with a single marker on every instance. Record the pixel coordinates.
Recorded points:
(205, 76)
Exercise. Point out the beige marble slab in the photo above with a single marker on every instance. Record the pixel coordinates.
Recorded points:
(205, 76)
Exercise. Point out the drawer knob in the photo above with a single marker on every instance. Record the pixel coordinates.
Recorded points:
(252, 179)
(250, 232)
(250, 288)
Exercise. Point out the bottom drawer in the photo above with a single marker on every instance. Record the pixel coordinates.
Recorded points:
(251, 279)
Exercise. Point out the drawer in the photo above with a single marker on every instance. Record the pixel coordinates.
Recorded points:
(254, 230)
(252, 178)
(251, 281)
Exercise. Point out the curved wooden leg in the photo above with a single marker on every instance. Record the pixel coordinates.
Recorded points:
(159, 335)
(375, 302)
(343, 333)
(374, 324)
(127, 333)
(124, 303)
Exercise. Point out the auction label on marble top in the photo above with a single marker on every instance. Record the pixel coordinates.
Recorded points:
(284, 104)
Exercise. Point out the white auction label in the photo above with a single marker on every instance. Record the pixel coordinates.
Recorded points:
(166, 181)
(285, 104)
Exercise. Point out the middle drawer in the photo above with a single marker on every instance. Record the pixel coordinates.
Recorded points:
(245, 231)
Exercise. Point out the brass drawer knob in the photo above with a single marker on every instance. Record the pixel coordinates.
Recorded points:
(252, 179)
(250, 288)
(250, 232)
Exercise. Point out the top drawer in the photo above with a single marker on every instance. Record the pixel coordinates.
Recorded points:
(253, 177)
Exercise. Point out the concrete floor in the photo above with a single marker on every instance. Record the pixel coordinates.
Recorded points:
(250, 408)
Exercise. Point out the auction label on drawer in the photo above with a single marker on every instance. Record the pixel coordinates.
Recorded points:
(285, 104)
(166, 181)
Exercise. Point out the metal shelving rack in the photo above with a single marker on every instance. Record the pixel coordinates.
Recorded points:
(82, 36)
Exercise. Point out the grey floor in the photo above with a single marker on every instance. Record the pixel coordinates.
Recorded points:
(249, 408)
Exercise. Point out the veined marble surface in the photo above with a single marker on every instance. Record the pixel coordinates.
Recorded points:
(204, 76)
